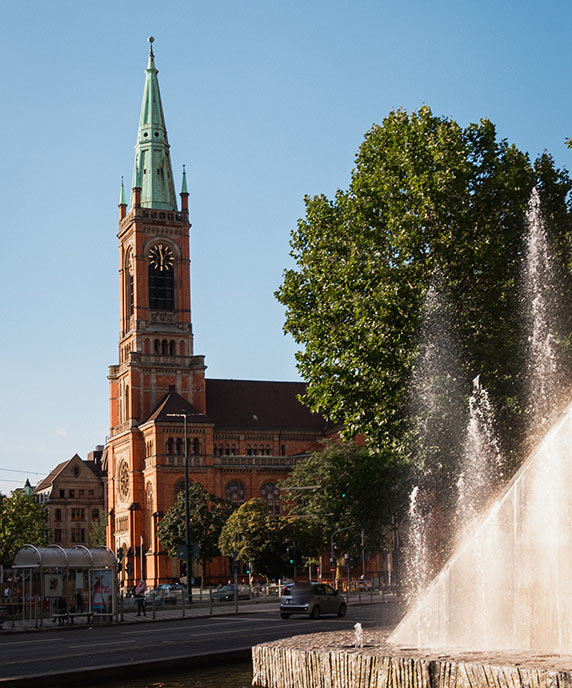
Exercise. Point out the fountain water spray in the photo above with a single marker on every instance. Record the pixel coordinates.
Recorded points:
(539, 298)
(481, 463)
(438, 412)
(358, 635)
(508, 584)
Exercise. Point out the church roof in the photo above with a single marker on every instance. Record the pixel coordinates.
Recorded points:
(173, 403)
(261, 405)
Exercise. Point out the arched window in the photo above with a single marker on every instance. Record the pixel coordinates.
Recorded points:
(127, 409)
(170, 443)
(179, 487)
(157, 346)
(172, 347)
(128, 283)
(161, 278)
(234, 492)
(271, 495)
(179, 447)
(164, 347)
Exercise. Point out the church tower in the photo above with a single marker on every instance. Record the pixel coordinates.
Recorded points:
(158, 376)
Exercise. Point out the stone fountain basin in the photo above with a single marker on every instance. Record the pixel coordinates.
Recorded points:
(329, 660)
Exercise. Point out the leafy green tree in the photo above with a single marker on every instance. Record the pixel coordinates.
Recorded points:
(207, 516)
(354, 487)
(97, 534)
(22, 521)
(426, 196)
(264, 541)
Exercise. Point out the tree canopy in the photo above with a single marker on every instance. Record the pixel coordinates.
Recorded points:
(22, 521)
(352, 487)
(426, 196)
(265, 541)
(207, 516)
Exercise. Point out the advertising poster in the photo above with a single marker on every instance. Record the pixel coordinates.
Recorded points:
(53, 585)
(102, 591)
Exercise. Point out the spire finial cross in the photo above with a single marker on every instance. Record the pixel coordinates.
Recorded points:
(151, 41)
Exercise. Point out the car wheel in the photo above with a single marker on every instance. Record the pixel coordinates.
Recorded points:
(315, 613)
(284, 615)
(342, 610)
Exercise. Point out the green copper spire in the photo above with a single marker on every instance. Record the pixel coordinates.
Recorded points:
(184, 189)
(152, 172)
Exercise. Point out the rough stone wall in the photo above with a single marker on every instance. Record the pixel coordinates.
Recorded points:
(282, 664)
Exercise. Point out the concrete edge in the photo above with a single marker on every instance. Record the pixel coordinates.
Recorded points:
(117, 672)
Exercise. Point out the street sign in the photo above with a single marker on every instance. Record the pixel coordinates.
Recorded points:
(181, 551)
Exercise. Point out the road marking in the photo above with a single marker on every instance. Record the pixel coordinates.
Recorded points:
(29, 642)
(92, 645)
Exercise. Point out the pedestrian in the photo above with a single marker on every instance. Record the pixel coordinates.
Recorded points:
(140, 597)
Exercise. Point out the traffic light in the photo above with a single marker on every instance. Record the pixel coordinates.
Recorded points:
(292, 555)
(344, 494)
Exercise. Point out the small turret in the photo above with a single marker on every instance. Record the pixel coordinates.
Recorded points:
(122, 201)
(184, 193)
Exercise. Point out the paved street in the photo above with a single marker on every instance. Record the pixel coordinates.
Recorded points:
(149, 644)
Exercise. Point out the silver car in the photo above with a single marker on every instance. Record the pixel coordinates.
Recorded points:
(313, 599)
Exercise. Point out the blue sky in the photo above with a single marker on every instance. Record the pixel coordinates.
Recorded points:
(265, 101)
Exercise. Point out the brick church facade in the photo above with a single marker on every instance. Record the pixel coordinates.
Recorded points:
(242, 437)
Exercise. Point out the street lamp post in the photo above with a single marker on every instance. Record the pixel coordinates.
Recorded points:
(187, 510)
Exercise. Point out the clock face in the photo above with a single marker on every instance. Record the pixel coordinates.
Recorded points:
(161, 257)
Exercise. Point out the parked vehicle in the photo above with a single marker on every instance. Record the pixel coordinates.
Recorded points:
(313, 599)
(226, 593)
(165, 593)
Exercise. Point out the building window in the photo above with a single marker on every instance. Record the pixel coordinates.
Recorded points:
(58, 515)
(81, 493)
(95, 515)
(57, 535)
(172, 347)
(157, 347)
(91, 493)
(234, 492)
(78, 514)
(271, 495)
(78, 535)
(62, 494)
(72, 494)
(129, 291)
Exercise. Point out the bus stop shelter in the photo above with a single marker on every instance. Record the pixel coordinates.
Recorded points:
(61, 584)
